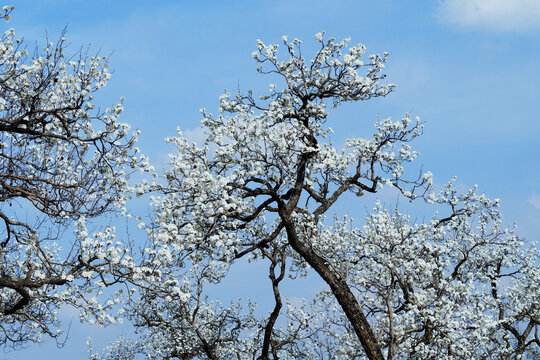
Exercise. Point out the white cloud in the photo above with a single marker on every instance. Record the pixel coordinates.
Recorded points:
(535, 201)
(197, 135)
(498, 15)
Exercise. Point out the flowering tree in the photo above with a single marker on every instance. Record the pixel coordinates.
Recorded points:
(61, 160)
(459, 286)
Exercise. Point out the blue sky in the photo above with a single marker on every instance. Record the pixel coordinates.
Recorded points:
(469, 69)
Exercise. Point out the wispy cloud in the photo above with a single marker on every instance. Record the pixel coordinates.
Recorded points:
(535, 201)
(196, 135)
(493, 15)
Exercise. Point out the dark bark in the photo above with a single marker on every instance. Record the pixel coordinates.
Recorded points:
(277, 307)
(341, 291)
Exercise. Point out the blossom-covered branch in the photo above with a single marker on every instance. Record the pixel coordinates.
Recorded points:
(459, 286)
(62, 162)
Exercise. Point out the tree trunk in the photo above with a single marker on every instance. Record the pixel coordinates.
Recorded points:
(341, 291)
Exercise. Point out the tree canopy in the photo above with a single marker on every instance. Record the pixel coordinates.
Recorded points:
(262, 187)
(458, 286)
(62, 161)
